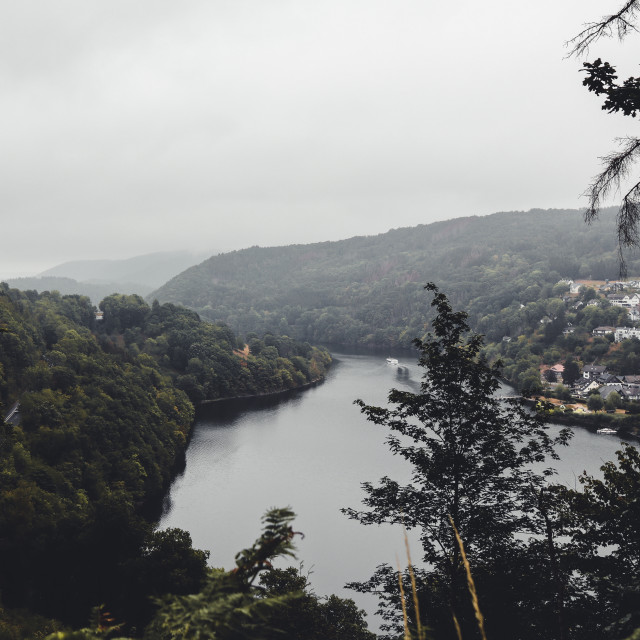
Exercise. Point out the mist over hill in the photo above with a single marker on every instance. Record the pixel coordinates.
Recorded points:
(149, 270)
(369, 289)
(97, 279)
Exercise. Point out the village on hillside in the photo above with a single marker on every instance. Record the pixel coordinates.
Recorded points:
(593, 383)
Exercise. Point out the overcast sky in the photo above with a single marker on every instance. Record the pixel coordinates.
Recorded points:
(133, 127)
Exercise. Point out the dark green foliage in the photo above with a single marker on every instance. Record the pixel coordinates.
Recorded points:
(471, 457)
(123, 312)
(613, 401)
(604, 525)
(595, 402)
(69, 286)
(24, 625)
(201, 358)
(104, 421)
(367, 290)
(601, 79)
(571, 371)
(100, 437)
(167, 564)
(311, 617)
(231, 606)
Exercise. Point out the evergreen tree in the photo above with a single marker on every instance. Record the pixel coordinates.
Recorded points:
(571, 371)
(472, 457)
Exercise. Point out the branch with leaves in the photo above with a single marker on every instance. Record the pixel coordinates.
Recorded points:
(624, 98)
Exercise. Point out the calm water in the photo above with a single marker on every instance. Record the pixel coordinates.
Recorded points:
(311, 451)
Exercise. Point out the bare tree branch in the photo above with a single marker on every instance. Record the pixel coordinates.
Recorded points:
(627, 221)
(629, 216)
(616, 167)
(620, 23)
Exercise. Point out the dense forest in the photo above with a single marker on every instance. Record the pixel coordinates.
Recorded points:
(207, 361)
(105, 411)
(368, 290)
(504, 269)
(504, 553)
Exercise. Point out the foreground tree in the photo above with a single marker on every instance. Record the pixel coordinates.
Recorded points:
(471, 456)
(605, 535)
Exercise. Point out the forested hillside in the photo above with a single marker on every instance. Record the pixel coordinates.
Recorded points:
(207, 360)
(368, 290)
(105, 411)
(503, 552)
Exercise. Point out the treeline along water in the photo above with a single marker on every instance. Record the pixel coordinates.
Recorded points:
(311, 450)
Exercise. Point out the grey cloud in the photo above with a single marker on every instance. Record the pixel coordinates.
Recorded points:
(135, 127)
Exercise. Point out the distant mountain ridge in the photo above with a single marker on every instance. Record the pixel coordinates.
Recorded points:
(368, 289)
(151, 270)
(100, 278)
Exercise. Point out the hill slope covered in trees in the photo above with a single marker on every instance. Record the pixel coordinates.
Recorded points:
(368, 289)
(105, 412)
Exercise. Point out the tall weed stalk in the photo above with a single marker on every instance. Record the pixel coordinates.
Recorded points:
(421, 632)
(470, 584)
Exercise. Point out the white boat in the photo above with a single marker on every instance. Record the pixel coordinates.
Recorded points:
(607, 430)
(392, 361)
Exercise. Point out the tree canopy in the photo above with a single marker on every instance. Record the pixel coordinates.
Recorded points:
(471, 456)
(106, 408)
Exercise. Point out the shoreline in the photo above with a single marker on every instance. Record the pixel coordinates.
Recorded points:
(156, 508)
(627, 425)
(269, 394)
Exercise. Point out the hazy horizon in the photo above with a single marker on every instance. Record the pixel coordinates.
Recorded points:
(132, 129)
(38, 269)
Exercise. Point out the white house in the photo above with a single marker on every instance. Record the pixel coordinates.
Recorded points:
(603, 330)
(627, 301)
(574, 287)
(624, 333)
(634, 314)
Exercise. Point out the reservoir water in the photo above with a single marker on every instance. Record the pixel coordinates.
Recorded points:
(311, 451)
